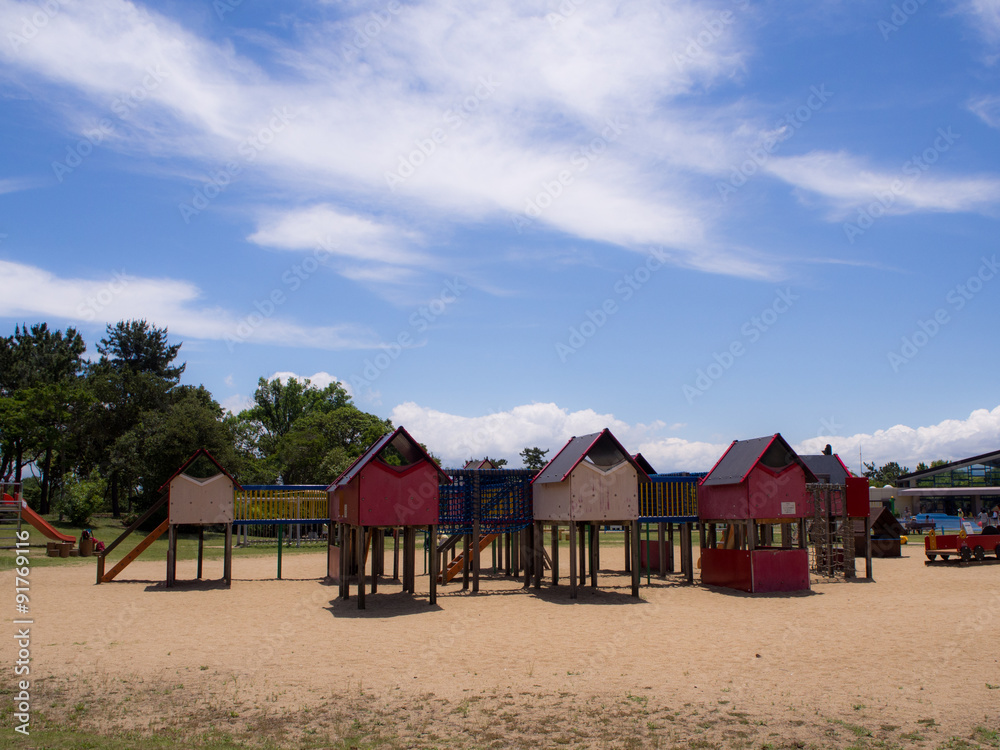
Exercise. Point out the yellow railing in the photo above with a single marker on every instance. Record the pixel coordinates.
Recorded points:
(668, 499)
(280, 505)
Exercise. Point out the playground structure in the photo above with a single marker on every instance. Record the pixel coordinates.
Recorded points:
(668, 500)
(839, 530)
(14, 511)
(963, 546)
(592, 480)
(373, 495)
(190, 501)
(479, 508)
(756, 485)
(885, 534)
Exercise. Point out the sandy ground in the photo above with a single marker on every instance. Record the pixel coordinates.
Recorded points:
(910, 660)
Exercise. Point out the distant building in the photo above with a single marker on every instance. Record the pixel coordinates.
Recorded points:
(484, 463)
(968, 485)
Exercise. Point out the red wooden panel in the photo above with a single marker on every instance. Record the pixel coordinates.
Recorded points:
(726, 567)
(653, 550)
(390, 497)
(780, 570)
(722, 501)
(857, 497)
(344, 503)
(768, 491)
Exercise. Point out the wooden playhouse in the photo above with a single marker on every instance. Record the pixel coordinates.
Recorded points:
(592, 481)
(757, 485)
(391, 486)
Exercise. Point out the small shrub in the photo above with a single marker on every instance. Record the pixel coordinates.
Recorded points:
(81, 498)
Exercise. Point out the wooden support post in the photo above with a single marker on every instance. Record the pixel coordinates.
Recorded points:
(688, 551)
(201, 549)
(661, 544)
(581, 532)
(171, 555)
(100, 566)
(395, 553)
(476, 561)
(539, 545)
(432, 535)
(227, 560)
(375, 537)
(635, 558)
(527, 538)
(628, 547)
(555, 554)
(670, 548)
(515, 551)
(593, 554)
(597, 548)
(360, 556)
(572, 560)
(465, 561)
(868, 550)
(345, 568)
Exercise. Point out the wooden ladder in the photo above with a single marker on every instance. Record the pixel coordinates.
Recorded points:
(456, 565)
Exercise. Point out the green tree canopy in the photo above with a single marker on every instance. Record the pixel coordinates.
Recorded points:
(533, 458)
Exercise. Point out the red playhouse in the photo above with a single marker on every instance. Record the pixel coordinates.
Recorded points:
(756, 485)
(392, 485)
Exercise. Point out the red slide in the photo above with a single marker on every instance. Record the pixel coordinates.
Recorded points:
(38, 522)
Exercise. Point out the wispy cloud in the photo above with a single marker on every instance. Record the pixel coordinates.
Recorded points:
(170, 303)
(845, 182)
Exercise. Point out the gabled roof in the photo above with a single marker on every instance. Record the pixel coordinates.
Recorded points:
(644, 464)
(194, 457)
(885, 521)
(743, 455)
(484, 463)
(411, 451)
(600, 447)
(828, 465)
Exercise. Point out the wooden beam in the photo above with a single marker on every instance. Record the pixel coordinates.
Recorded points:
(139, 549)
(572, 560)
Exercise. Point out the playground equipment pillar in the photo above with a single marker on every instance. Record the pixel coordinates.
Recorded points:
(661, 543)
(227, 558)
(593, 554)
(345, 543)
(555, 555)
(476, 543)
(635, 558)
(868, 550)
(432, 535)
(201, 548)
(395, 553)
(539, 547)
(572, 560)
(466, 546)
(171, 555)
(581, 532)
(687, 551)
(628, 547)
(670, 548)
(280, 527)
(360, 554)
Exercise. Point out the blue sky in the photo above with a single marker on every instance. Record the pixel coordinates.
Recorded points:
(504, 224)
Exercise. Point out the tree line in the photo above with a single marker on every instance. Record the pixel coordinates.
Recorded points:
(84, 435)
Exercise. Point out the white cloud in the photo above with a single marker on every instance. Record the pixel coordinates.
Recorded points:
(504, 434)
(950, 439)
(493, 101)
(320, 379)
(985, 15)
(169, 303)
(847, 182)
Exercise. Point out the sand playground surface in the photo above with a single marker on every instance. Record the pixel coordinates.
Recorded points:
(911, 660)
